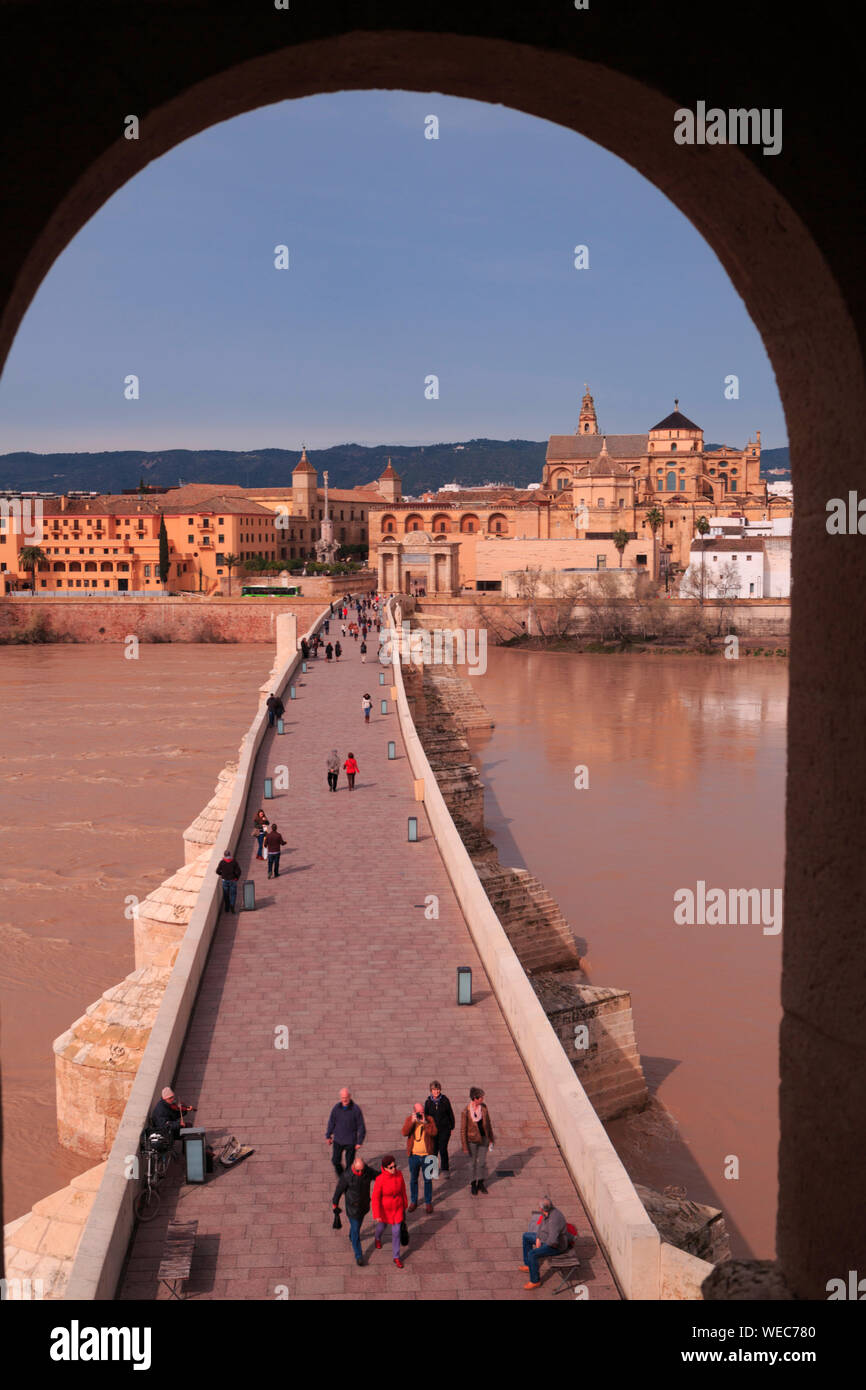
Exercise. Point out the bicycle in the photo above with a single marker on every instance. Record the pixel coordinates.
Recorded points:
(158, 1150)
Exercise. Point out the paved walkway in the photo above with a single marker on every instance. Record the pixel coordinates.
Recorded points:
(340, 953)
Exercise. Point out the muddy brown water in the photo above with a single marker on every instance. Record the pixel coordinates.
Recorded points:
(686, 765)
(104, 762)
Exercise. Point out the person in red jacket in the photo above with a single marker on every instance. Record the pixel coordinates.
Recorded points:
(351, 768)
(389, 1204)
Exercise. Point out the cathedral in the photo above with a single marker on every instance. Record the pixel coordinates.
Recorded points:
(594, 487)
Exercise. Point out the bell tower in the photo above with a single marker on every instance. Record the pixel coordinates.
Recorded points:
(587, 424)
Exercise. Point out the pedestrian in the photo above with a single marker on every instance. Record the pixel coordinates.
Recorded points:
(346, 1131)
(366, 706)
(229, 871)
(476, 1135)
(330, 610)
(549, 1237)
(355, 631)
(260, 826)
(363, 651)
(355, 1183)
(329, 652)
(389, 1205)
(275, 708)
(351, 768)
(333, 769)
(343, 629)
(327, 625)
(314, 648)
(420, 1132)
(338, 650)
(305, 648)
(273, 844)
(439, 1106)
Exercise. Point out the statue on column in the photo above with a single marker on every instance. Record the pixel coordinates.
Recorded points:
(327, 548)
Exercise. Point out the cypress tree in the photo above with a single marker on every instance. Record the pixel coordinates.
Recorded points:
(163, 551)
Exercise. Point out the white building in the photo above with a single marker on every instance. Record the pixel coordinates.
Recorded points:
(739, 567)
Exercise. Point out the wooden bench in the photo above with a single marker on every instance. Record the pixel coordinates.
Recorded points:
(177, 1256)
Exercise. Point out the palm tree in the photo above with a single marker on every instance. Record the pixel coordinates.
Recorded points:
(230, 561)
(621, 540)
(30, 556)
(655, 518)
(702, 526)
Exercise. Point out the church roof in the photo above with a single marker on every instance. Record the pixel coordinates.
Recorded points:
(388, 471)
(568, 447)
(675, 421)
(603, 467)
(303, 465)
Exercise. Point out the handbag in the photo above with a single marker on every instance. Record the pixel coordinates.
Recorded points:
(404, 1232)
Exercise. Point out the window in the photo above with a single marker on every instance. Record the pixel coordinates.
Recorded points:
(622, 501)
(190, 540)
(601, 562)
(221, 521)
(600, 502)
(734, 485)
(671, 481)
(682, 484)
(220, 540)
(189, 521)
(147, 571)
(660, 483)
(748, 557)
(751, 589)
(673, 448)
(640, 559)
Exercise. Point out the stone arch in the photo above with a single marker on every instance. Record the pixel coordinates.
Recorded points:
(441, 524)
(497, 524)
(414, 522)
(786, 251)
(389, 525)
(469, 524)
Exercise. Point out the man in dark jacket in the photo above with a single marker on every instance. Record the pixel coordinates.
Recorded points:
(346, 1131)
(276, 708)
(229, 871)
(168, 1114)
(355, 1183)
(439, 1107)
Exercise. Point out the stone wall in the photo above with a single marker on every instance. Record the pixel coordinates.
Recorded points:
(176, 619)
(502, 617)
(605, 1056)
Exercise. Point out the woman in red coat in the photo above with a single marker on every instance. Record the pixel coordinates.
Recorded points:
(389, 1204)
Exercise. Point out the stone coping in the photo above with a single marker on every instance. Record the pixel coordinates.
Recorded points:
(101, 1253)
(628, 1238)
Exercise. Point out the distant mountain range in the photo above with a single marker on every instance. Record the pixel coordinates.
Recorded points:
(421, 468)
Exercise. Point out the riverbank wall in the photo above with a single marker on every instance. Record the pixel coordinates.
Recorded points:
(667, 618)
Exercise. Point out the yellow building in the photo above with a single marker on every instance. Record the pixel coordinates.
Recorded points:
(110, 544)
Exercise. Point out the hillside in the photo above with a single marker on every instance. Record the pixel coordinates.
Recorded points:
(477, 461)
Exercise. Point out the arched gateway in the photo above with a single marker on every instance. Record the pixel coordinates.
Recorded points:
(786, 230)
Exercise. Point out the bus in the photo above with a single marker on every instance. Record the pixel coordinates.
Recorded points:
(270, 590)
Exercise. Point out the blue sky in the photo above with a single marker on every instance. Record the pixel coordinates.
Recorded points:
(408, 257)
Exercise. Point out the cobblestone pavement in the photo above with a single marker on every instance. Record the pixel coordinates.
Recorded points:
(340, 954)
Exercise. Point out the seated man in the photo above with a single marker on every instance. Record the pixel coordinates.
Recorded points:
(168, 1114)
(549, 1237)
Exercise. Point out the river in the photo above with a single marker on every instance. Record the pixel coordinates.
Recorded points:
(105, 762)
(685, 759)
